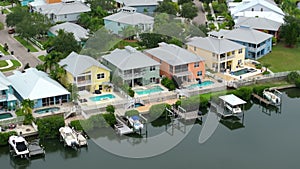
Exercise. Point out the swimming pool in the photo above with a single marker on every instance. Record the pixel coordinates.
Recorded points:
(203, 84)
(102, 97)
(5, 116)
(47, 110)
(153, 89)
(138, 105)
(243, 71)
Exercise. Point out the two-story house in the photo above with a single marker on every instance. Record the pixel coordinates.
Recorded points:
(142, 6)
(127, 16)
(219, 53)
(176, 62)
(257, 43)
(132, 66)
(85, 72)
(7, 99)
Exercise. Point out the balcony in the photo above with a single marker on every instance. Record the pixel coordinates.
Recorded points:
(84, 83)
(2, 97)
(132, 76)
(223, 59)
(252, 49)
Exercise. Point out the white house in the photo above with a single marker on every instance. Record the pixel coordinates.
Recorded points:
(79, 32)
(64, 11)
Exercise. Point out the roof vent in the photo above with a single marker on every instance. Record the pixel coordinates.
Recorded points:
(130, 49)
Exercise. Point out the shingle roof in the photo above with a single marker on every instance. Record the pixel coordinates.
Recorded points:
(129, 58)
(265, 14)
(34, 84)
(138, 2)
(77, 64)
(78, 31)
(4, 82)
(215, 45)
(245, 34)
(174, 55)
(131, 18)
(267, 4)
(63, 8)
(258, 23)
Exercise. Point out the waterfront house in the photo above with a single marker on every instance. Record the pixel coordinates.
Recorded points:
(219, 53)
(7, 98)
(39, 87)
(262, 24)
(80, 34)
(257, 8)
(128, 16)
(178, 63)
(63, 11)
(142, 6)
(85, 72)
(132, 66)
(257, 43)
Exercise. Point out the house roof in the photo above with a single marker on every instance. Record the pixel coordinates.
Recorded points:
(245, 34)
(265, 14)
(232, 100)
(34, 84)
(129, 58)
(130, 18)
(138, 2)
(215, 45)
(4, 82)
(78, 31)
(174, 55)
(77, 64)
(258, 23)
(63, 8)
(248, 4)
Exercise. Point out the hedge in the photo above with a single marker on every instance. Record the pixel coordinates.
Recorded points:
(48, 127)
(130, 113)
(4, 136)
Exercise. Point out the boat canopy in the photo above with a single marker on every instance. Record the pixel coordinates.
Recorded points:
(232, 100)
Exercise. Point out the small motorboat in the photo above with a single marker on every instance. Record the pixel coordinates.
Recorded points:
(135, 122)
(271, 97)
(35, 148)
(19, 146)
(69, 137)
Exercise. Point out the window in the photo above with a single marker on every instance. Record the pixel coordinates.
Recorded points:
(252, 9)
(152, 79)
(100, 87)
(233, 52)
(196, 64)
(261, 9)
(171, 68)
(66, 16)
(199, 73)
(100, 76)
(213, 54)
(240, 51)
(152, 68)
(195, 49)
(119, 24)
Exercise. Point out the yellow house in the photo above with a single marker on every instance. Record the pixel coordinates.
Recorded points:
(220, 54)
(86, 72)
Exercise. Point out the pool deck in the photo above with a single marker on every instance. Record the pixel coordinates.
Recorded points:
(65, 107)
(146, 107)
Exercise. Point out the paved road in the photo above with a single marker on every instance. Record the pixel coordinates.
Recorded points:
(200, 18)
(19, 51)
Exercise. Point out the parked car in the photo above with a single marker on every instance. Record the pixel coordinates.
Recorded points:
(220, 18)
(11, 31)
(1, 54)
(50, 49)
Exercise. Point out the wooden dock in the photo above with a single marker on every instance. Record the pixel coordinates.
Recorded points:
(121, 128)
(267, 102)
(187, 115)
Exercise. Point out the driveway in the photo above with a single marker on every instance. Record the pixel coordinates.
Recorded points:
(200, 19)
(19, 51)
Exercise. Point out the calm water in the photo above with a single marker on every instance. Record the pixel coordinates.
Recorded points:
(267, 140)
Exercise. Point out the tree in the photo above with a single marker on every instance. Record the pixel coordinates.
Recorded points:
(128, 31)
(290, 31)
(12, 19)
(27, 106)
(105, 4)
(167, 6)
(189, 10)
(58, 72)
(110, 109)
(73, 89)
(65, 43)
(180, 2)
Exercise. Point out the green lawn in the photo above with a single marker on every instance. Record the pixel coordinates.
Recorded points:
(3, 63)
(282, 58)
(5, 11)
(3, 51)
(42, 58)
(1, 26)
(26, 44)
(4, 3)
(16, 64)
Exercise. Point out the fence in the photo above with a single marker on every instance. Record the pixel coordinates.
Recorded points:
(16, 120)
(37, 43)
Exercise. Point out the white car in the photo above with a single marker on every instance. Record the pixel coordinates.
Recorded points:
(220, 18)
(1, 54)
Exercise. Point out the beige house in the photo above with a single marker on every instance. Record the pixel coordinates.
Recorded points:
(220, 54)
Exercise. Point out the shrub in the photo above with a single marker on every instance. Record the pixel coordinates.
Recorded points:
(48, 127)
(291, 78)
(168, 83)
(243, 93)
(130, 113)
(258, 66)
(297, 82)
(266, 73)
(4, 137)
(110, 119)
(131, 92)
(158, 110)
(76, 124)
(259, 90)
(110, 109)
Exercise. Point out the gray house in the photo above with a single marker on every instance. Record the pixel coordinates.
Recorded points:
(132, 66)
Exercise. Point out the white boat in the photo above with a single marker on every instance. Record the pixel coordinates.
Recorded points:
(135, 122)
(235, 109)
(81, 140)
(271, 97)
(19, 146)
(69, 136)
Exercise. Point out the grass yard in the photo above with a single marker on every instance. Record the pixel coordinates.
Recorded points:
(4, 3)
(282, 59)
(42, 58)
(3, 51)
(3, 63)
(26, 44)
(16, 64)
(5, 11)
(124, 43)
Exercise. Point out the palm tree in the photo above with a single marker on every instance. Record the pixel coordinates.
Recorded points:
(73, 89)
(27, 106)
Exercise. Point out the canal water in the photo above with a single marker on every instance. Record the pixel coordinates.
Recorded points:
(266, 139)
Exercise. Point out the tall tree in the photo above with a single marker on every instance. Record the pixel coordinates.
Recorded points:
(19, 14)
(189, 10)
(167, 6)
(290, 31)
(65, 43)
(27, 106)
(105, 4)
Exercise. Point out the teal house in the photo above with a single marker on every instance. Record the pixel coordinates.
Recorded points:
(7, 98)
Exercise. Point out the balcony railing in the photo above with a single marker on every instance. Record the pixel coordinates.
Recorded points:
(84, 82)
(2, 97)
(222, 59)
(134, 75)
(252, 49)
